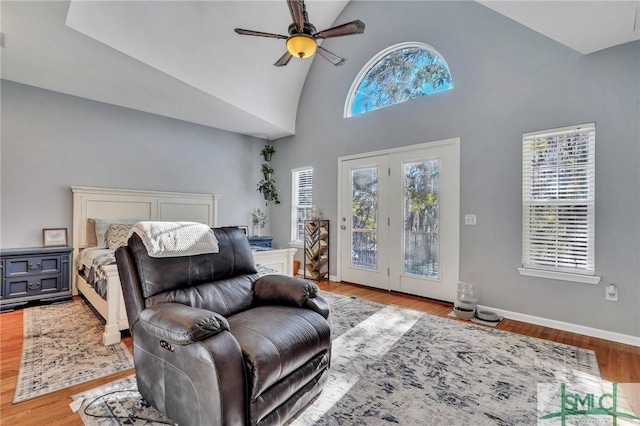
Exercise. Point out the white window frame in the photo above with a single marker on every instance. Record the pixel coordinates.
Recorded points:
(298, 240)
(540, 263)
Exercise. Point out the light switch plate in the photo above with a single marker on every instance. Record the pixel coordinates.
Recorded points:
(469, 219)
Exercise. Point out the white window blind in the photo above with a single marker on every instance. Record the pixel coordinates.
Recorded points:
(302, 201)
(558, 196)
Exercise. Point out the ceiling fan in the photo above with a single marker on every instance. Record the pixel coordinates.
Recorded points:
(302, 38)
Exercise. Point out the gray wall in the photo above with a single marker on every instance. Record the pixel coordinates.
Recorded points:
(51, 141)
(507, 80)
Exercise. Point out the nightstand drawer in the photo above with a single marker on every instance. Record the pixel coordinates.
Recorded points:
(32, 285)
(32, 266)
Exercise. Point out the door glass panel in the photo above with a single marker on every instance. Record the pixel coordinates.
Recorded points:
(364, 217)
(422, 218)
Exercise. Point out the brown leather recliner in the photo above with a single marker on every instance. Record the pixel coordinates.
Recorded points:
(214, 343)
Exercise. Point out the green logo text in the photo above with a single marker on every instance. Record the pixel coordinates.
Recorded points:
(574, 404)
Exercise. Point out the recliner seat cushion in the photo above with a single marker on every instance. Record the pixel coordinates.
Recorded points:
(276, 340)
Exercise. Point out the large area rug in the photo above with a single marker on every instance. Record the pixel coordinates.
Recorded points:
(397, 366)
(63, 347)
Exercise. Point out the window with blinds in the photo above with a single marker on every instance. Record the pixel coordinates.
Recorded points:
(558, 197)
(302, 201)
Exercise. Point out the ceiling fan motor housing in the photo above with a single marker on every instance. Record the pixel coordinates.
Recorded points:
(308, 29)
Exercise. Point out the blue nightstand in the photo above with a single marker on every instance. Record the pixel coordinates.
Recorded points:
(260, 241)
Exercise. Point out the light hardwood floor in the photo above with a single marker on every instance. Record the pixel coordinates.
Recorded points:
(618, 362)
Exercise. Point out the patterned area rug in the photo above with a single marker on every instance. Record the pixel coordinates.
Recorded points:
(397, 366)
(63, 347)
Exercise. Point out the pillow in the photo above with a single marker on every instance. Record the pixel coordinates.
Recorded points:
(117, 235)
(103, 224)
(91, 233)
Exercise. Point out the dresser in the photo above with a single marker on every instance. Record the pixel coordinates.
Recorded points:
(39, 273)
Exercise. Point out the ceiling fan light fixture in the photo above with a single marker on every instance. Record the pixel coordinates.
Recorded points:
(301, 45)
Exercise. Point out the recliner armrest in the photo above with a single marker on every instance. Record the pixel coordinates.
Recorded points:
(319, 305)
(284, 290)
(181, 324)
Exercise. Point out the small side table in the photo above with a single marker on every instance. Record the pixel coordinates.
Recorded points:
(260, 241)
(38, 273)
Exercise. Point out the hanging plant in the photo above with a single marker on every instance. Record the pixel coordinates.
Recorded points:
(267, 151)
(268, 188)
(267, 171)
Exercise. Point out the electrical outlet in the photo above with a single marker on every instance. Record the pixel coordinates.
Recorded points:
(469, 219)
(611, 293)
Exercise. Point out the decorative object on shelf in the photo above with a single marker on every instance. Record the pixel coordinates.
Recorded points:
(267, 186)
(54, 237)
(259, 220)
(244, 228)
(267, 151)
(316, 249)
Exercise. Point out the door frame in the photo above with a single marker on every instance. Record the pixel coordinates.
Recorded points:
(455, 198)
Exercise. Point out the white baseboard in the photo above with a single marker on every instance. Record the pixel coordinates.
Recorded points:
(566, 326)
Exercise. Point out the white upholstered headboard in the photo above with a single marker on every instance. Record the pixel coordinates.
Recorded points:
(107, 203)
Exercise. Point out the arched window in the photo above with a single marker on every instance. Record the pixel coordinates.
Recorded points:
(398, 74)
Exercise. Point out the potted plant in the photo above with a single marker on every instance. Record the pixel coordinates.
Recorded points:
(267, 151)
(268, 188)
(267, 171)
(259, 219)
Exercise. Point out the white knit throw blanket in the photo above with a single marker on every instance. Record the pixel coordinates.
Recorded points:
(174, 239)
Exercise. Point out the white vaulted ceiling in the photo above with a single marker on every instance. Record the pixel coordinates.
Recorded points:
(585, 26)
(179, 59)
(182, 59)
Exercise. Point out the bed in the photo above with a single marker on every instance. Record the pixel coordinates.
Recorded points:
(95, 274)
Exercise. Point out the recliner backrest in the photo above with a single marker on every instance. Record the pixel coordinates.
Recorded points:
(219, 281)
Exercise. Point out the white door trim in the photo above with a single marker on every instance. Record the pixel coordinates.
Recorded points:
(451, 141)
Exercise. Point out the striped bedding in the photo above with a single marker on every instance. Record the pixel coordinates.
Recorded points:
(91, 262)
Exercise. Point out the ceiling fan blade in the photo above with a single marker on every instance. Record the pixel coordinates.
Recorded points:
(331, 57)
(260, 34)
(354, 27)
(284, 60)
(297, 13)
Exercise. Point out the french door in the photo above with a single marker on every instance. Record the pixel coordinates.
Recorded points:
(399, 219)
